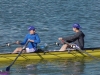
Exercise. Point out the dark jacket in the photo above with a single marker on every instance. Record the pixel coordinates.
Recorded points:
(77, 39)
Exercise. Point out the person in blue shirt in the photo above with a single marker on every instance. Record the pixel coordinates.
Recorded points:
(33, 39)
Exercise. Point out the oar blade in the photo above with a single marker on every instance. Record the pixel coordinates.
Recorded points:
(8, 68)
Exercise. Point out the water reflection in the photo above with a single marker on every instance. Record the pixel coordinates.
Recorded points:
(73, 67)
(50, 67)
(76, 66)
(31, 68)
(70, 67)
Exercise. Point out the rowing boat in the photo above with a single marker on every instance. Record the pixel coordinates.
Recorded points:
(50, 55)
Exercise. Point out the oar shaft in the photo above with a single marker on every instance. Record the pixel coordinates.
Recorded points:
(84, 52)
(24, 47)
(88, 54)
(8, 44)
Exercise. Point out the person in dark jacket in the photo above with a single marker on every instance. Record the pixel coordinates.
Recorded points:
(75, 41)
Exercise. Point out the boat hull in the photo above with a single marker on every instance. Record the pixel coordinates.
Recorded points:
(49, 55)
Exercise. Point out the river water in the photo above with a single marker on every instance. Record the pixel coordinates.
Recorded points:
(52, 19)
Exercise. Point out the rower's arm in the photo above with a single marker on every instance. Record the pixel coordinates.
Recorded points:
(37, 40)
(71, 38)
(25, 40)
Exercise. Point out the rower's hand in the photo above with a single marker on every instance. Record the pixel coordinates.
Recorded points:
(60, 39)
(17, 42)
(30, 40)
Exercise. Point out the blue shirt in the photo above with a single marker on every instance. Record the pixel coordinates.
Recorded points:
(34, 37)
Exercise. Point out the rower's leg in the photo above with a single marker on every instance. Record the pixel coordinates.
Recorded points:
(17, 50)
(64, 47)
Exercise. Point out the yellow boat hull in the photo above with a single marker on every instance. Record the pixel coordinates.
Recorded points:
(49, 55)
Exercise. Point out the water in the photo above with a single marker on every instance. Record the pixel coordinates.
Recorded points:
(57, 67)
(52, 19)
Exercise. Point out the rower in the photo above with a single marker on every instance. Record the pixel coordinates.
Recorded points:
(74, 41)
(33, 39)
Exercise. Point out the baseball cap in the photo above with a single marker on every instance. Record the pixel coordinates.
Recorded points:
(31, 28)
(76, 26)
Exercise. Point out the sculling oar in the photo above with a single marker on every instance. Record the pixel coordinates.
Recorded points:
(46, 46)
(8, 68)
(87, 54)
(83, 52)
(7, 44)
